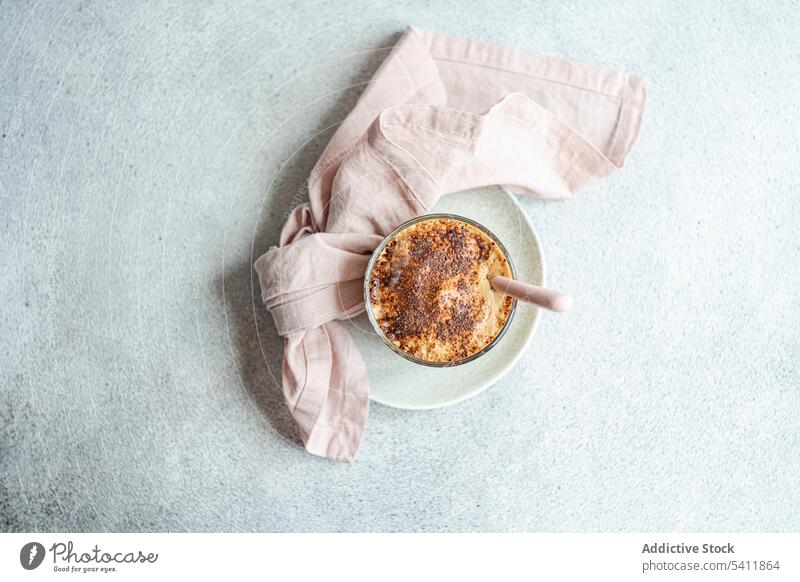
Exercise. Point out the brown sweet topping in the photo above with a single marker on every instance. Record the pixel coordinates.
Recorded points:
(430, 292)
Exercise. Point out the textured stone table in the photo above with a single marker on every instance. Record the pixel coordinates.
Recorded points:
(149, 151)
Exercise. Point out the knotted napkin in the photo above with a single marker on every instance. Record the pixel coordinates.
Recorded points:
(442, 114)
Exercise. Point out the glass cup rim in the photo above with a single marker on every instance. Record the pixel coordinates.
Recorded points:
(368, 304)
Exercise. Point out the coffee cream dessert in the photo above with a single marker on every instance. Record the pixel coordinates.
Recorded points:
(430, 290)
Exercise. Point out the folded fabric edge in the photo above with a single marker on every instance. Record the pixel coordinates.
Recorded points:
(630, 90)
(630, 121)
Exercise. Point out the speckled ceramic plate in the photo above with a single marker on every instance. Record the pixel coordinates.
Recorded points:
(397, 382)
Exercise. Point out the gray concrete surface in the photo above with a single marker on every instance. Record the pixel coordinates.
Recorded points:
(149, 149)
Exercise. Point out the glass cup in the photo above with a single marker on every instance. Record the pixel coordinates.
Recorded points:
(371, 315)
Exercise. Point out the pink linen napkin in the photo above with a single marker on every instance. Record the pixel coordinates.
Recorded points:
(441, 114)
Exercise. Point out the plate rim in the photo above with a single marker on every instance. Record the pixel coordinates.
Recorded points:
(496, 377)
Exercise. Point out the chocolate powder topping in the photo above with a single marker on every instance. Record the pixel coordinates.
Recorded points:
(430, 290)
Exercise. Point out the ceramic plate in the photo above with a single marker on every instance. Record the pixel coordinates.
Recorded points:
(397, 382)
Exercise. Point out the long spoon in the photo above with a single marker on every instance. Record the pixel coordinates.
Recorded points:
(541, 296)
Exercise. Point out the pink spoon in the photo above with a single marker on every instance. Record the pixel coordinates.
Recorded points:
(547, 298)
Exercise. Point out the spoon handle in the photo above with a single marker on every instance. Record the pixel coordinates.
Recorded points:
(547, 298)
